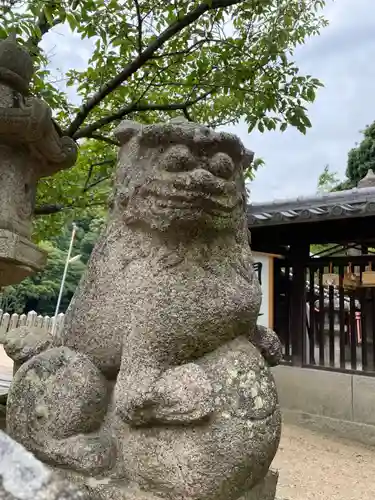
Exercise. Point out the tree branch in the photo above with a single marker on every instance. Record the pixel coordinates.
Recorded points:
(140, 21)
(143, 57)
(135, 107)
(103, 138)
(88, 177)
(96, 183)
(220, 123)
(54, 209)
(88, 186)
(49, 209)
(181, 52)
(187, 115)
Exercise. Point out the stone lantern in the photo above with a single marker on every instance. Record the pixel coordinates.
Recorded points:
(30, 148)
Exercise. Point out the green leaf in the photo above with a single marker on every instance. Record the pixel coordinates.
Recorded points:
(311, 94)
(48, 12)
(73, 23)
(283, 127)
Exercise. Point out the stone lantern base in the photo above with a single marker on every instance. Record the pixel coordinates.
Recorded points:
(19, 258)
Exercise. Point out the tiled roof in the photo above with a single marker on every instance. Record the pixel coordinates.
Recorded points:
(358, 202)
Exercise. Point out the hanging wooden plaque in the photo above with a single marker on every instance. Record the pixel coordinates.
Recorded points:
(350, 280)
(368, 276)
(331, 278)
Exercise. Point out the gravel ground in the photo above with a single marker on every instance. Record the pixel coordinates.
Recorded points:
(313, 466)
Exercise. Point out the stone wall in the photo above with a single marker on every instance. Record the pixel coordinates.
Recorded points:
(341, 403)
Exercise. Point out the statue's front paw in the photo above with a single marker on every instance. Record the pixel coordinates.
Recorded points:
(268, 343)
(90, 454)
(25, 342)
(180, 395)
(184, 394)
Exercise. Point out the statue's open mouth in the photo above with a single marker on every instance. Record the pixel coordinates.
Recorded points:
(193, 200)
(219, 199)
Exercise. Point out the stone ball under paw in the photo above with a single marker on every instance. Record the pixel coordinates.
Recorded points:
(56, 394)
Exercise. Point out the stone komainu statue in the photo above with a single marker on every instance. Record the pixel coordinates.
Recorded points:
(159, 387)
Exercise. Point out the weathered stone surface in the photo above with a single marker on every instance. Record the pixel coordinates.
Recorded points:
(25, 342)
(105, 490)
(268, 344)
(63, 395)
(265, 490)
(163, 326)
(19, 257)
(30, 148)
(23, 477)
(368, 180)
(28, 121)
(16, 66)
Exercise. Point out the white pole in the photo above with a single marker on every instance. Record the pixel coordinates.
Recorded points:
(74, 230)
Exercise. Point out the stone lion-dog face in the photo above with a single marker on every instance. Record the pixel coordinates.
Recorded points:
(180, 174)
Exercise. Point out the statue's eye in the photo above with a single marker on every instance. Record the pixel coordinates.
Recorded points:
(222, 166)
(178, 158)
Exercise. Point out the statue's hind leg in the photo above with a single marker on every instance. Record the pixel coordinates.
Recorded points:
(56, 406)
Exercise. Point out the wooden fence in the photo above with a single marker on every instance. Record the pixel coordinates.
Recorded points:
(11, 321)
(336, 323)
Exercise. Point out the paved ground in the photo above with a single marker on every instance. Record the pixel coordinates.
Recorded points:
(313, 466)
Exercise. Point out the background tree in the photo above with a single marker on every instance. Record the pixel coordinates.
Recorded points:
(39, 292)
(327, 180)
(360, 160)
(215, 61)
(75, 194)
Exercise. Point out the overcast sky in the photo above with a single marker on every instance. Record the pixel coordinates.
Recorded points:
(343, 58)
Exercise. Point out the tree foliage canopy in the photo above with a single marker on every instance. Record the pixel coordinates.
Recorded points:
(39, 292)
(362, 158)
(215, 61)
(327, 180)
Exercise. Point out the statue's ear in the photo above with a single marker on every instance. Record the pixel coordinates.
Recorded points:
(126, 130)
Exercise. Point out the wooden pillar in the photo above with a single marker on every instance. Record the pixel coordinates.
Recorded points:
(299, 255)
